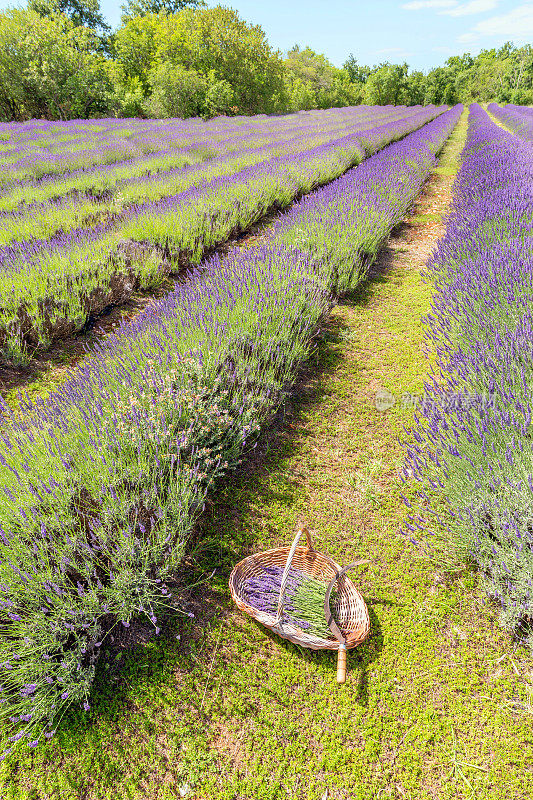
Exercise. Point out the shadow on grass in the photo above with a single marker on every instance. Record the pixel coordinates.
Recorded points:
(221, 539)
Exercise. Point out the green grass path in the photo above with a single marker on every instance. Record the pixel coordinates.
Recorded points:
(437, 703)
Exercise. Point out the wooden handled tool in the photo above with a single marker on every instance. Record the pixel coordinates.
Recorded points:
(334, 628)
(341, 663)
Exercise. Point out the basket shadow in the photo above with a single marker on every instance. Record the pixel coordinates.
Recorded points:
(359, 658)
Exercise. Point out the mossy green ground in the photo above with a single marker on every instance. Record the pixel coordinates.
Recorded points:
(437, 703)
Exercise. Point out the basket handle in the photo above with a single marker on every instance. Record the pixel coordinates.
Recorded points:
(334, 628)
(284, 578)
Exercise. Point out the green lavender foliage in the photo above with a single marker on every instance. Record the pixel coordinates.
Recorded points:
(102, 482)
(308, 606)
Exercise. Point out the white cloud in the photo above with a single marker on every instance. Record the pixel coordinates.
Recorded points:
(452, 7)
(473, 7)
(516, 24)
(468, 38)
(418, 5)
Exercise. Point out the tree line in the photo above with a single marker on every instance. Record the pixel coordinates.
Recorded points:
(168, 58)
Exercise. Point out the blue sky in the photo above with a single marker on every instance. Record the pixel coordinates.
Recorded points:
(422, 32)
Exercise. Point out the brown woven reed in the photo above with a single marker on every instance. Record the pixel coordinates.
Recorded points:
(350, 608)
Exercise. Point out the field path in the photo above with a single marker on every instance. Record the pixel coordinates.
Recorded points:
(438, 702)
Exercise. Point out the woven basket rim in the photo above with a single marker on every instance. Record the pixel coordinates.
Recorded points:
(295, 634)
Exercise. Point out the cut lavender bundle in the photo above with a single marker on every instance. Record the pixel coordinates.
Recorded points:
(303, 602)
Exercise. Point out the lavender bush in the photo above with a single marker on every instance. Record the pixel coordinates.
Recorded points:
(102, 481)
(49, 288)
(518, 118)
(473, 432)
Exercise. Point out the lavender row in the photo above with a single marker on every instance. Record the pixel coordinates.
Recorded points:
(95, 192)
(102, 482)
(473, 432)
(374, 198)
(138, 140)
(518, 118)
(50, 288)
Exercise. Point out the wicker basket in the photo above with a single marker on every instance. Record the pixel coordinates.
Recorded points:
(350, 608)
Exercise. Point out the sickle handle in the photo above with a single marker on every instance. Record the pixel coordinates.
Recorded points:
(334, 628)
(341, 664)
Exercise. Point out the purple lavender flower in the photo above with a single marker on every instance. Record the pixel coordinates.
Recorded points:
(481, 328)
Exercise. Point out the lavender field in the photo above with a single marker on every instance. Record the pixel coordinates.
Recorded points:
(92, 211)
(103, 481)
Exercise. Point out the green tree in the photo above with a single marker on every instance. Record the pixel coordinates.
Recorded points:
(135, 46)
(387, 85)
(175, 92)
(436, 83)
(139, 8)
(450, 95)
(415, 88)
(313, 81)
(356, 73)
(80, 12)
(216, 44)
(219, 97)
(49, 68)
(178, 57)
(493, 74)
(301, 95)
(129, 96)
